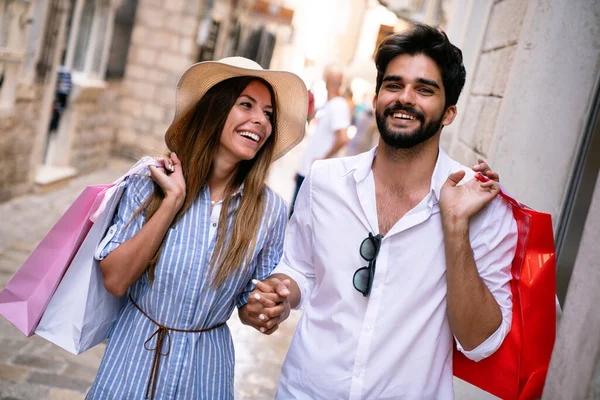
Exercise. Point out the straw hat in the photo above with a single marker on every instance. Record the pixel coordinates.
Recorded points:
(290, 94)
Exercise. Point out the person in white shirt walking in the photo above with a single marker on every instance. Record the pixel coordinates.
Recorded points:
(394, 252)
(332, 122)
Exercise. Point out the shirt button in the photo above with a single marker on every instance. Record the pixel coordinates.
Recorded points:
(214, 224)
(357, 375)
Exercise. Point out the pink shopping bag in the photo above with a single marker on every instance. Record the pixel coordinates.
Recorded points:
(28, 293)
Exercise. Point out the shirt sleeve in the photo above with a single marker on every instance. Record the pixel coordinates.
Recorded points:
(297, 262)
(340, 114)
(271, 253)
(124, 225)
(494, 241)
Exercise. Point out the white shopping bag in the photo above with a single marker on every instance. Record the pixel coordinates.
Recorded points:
(81, 312)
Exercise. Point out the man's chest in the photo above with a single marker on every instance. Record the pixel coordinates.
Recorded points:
(392, 207)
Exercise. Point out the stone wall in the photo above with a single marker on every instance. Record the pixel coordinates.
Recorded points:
(162, 48)
(490, 78)
(94, 129)
(17, 137)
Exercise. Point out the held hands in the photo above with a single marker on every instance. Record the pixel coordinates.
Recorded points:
(460, 203)
(170, 179)
(267, 306)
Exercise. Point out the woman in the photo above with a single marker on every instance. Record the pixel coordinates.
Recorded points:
(190, 237)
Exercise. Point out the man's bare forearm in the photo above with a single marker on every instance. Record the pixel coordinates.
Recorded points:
(473, 313)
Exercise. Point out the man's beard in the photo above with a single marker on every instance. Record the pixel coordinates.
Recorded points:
(410, 139)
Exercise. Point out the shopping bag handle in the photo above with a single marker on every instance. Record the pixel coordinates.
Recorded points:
(514, 202)
(107, 193)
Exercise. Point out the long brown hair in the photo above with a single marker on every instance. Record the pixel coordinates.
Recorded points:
(203, 126)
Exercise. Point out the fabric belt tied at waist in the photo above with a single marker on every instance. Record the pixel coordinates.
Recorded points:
(161, 333)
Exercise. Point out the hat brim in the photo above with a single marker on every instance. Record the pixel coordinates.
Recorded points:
(290, 94)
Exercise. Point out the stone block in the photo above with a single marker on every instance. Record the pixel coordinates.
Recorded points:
(143, 56)
(182, 24)
(176, 6)
(12, 372)
(38, 363)
(59, 381)
(174, 43)
(159, 130)
(486, 125)
(174, 63)
(504, 26)
(477, 129)
(131, 106)
(169, 115)
(144, 127)
(125, 121)
(195, 7)
(126, 136)
(151, 145)
(4, 355)
(62, 394)
(19, 391)
(187, 46)
(139, 35)
(26, 91)
(493, 71)
(135, 72)
(140, 90)
(165, 97)
(464, 154)
(160, 39)
(81, 372)
(158, 77)
(151, 17)
(151, 3)
(466, 133)
(153, 112)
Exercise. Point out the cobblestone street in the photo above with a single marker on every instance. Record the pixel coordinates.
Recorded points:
(34, 369)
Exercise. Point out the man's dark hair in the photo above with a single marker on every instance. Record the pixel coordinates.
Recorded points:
(424, 39)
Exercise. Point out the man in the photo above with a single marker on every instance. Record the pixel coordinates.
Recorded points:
(332, 121)
(437, 253)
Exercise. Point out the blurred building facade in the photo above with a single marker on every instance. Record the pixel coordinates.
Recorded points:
(122, 60)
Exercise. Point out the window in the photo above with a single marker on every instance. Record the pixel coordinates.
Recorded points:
(13, 28)
(90, 34)
(124, 21)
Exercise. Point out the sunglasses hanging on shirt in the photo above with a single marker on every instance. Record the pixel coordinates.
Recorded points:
(369, 250)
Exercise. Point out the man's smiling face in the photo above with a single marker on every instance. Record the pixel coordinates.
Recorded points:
(410, 106)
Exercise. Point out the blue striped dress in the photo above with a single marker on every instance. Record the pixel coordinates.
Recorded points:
(199, 365)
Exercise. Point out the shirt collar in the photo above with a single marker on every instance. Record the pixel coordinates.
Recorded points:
(362, 165)
(239, 191)
(444, 166)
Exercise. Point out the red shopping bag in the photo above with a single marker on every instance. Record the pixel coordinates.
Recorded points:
(517, 370)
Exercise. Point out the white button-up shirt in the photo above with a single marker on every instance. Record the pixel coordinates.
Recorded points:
(396, 343)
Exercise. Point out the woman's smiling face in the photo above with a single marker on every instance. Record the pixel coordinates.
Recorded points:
(248, 125)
